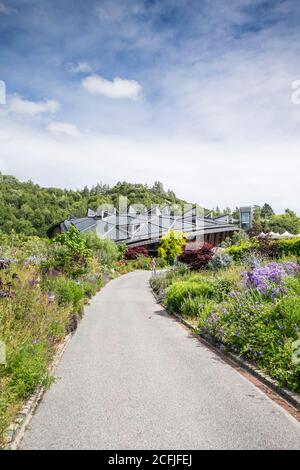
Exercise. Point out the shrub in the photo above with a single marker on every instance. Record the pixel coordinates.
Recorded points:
(260, 331)
(160, 281)
(67, 291)
(197, 307)
(288, 247)
(70, 253)
(89, 288)
(27, 366)
(122, 250)
(238, 251)
(135, 251)
(222, 286)
(161, 263)
(253, 260)
(105, 250)
(171, 246)
(30, 328)
(220, 261)
(181, 290)
(268, 280)
(199, 258)
(142, 262)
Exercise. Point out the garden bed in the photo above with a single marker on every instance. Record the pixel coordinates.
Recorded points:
(43, 290)
(253, 313)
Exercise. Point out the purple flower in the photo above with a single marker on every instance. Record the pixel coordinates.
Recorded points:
(233, 295)
(269, 279)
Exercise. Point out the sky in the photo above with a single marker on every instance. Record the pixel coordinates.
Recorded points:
(197, 94)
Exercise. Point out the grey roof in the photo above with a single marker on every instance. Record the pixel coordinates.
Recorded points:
(148, 226)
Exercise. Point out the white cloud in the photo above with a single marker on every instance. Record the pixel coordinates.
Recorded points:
(117, 88)
(65, 128)
(213, 173)
(79, 67)
(32, 108)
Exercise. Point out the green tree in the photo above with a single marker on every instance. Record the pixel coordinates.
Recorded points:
(285, 222)
(266, 211)
(31, 209)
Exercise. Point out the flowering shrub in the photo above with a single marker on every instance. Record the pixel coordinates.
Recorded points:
(260, 331)
(255, 315)
(268, 280)
(42, 292)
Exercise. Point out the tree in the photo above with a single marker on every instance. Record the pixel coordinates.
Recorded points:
(285, 222)
(266, 211)
(31, 209)
(158, 187)
(171, 246)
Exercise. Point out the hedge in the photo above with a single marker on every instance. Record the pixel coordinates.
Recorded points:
(288, 247)
(273, 248)
(238, 251)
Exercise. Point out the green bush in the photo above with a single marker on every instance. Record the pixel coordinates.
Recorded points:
(69, 253)
(67, 291)
(27, 367)
(160, 281)
(236, 239)
(222, 286)
(288, 247)
(179, 291)
(104, 249)
(171, 246)
(142, 262)
(197, 307)
(161, 263)
(263, 329)
(90, 289)
(238, 251)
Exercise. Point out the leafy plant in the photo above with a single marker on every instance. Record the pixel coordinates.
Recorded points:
(197, 258)
(220, 261)
(179, 291)
(69, 253)
(135, 252)
(104, 249)
(238, 251)
(171, 246)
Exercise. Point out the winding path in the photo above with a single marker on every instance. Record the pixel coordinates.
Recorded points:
(133, 378)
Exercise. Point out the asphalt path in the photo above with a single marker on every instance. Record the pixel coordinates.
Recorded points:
(134, 378)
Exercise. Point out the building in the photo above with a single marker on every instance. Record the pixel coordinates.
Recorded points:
(246, 218)
(146, 227)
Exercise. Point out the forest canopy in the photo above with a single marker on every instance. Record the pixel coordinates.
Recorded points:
(27, 208)
(30, 209)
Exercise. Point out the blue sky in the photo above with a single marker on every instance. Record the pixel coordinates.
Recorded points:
(196, 94)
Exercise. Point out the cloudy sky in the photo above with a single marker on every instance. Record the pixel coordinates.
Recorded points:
(196, 94)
